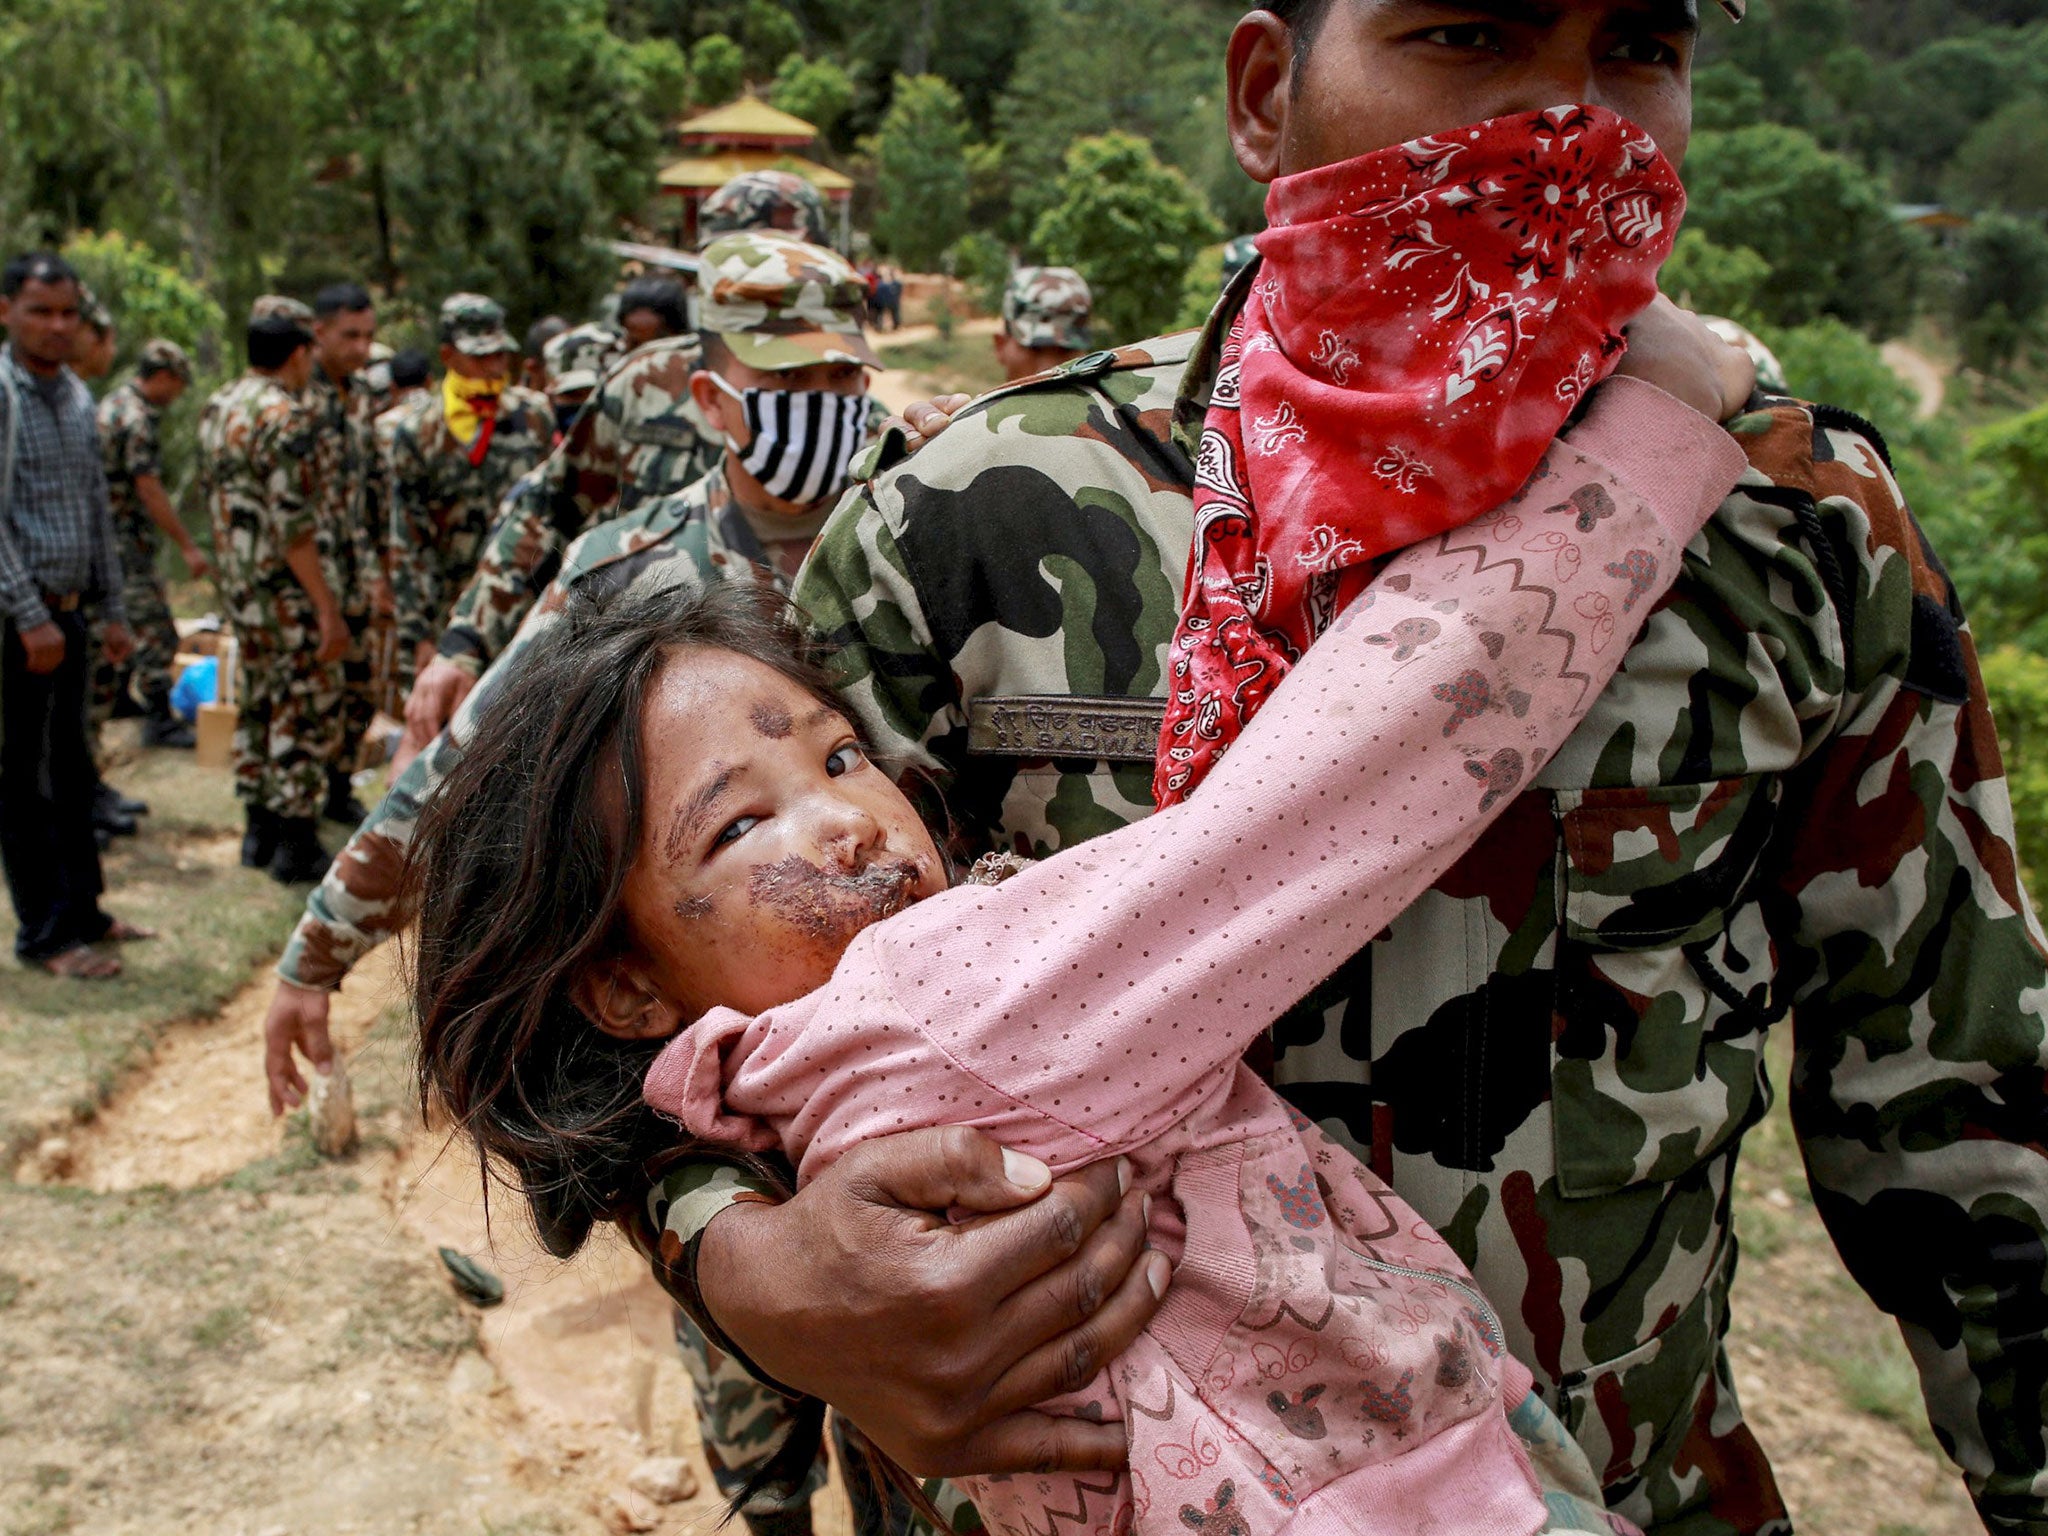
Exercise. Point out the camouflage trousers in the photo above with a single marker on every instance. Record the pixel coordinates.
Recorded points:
(288, 723)
(361, 688)
(150, 669)
(742, 1422)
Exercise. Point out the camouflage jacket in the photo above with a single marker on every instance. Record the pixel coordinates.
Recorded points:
(691, 538)
(257, 447)
(342, 473)
(130, 449)
(443, 506)
(1788, 805)
(637, 438)
(640, 436)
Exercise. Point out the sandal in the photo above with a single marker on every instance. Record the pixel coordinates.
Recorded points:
(121, 931)
(81, 963)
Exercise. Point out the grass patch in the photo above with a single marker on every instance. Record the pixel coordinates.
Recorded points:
(65, 1045)
(942, 365)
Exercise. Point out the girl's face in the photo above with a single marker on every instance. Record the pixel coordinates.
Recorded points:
(768, 841)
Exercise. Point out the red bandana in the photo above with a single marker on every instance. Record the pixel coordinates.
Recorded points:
(1426, 320)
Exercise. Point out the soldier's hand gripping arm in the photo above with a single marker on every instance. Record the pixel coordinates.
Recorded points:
(1917, 982)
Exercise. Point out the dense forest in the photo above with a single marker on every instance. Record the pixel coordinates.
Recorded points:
(1863, 170)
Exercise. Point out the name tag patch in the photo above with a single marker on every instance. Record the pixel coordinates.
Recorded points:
(1108, 730)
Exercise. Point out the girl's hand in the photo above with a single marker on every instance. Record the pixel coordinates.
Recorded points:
(1673, 349)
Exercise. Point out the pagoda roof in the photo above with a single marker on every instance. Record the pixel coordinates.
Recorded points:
(707, 173)
(748, 118)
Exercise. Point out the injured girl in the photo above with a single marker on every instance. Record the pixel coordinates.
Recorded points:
(668, 854)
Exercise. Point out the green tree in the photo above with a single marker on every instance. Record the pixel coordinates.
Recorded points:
(509, 215)
(1725, 95)
(1715, 279)
(148, 297)
(920, 157)
(718, 65)
(816, 90)
(1828, 361)
(1131, 226)
(1822, 223)
(1154, 71)
(2002, 263)
(2004, 163)
(768, 36)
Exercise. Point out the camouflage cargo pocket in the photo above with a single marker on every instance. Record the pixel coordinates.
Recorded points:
(1664, 978)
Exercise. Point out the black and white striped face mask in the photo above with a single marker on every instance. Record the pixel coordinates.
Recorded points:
(801, 443)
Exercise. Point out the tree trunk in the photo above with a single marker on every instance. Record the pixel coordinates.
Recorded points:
(917, 43)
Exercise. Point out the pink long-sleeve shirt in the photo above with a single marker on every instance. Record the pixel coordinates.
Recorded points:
(1322, 1357)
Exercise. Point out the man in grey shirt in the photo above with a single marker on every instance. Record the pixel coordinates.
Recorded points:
(56, 555)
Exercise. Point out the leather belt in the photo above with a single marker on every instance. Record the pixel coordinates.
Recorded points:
(65, 602)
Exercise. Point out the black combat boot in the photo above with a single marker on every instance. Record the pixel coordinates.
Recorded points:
(161, 726)
(299, 859)
(342, 806)
(111, 811)
(125, 707)
(259, 840)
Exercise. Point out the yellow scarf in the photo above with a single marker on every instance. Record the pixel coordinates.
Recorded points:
(460, 401)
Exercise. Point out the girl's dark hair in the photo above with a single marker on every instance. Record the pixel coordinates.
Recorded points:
(516, 872)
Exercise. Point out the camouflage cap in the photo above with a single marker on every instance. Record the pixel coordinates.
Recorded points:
(92, 311)
(1239, 254)
(475, 325)
(581, 356)
(779, 303)
(777, 200)
(278, 306)
(161, 356)
(1048, 307)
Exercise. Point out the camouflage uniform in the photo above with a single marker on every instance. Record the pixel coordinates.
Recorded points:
(257, 448)
(131, 450)
(442, 505)
(342, 472)
(1048, 308)
(579, 358)
(1789, 803)
(640, 436)
(765, 200)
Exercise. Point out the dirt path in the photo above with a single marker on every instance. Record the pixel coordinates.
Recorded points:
(529, 1417)
(1921, 373)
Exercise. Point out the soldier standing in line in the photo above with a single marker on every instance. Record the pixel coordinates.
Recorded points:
(784, 356)
(454, 454)
(130, 419)
(98, 337)
(1045, 320)
(344, 326)
(258, 450)
(533, 371)
(773, 201)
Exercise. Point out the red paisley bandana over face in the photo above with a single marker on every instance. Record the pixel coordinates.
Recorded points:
(1426, 319)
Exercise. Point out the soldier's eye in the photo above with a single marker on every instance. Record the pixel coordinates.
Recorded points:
(1470, 34)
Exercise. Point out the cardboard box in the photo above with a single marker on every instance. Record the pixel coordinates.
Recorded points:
(216, 732)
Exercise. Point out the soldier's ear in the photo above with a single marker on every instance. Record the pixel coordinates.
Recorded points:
(620, 999)
(1260, 72)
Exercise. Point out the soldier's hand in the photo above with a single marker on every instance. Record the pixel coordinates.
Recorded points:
(117, 643)
(923, 420)
(436, 694)
(1673, 349)
(43, 647)
(937, 1338)
(196, 561)
(333, 636)
(297, 1020)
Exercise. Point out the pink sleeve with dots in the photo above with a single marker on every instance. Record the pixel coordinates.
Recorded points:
(1091, 1002)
